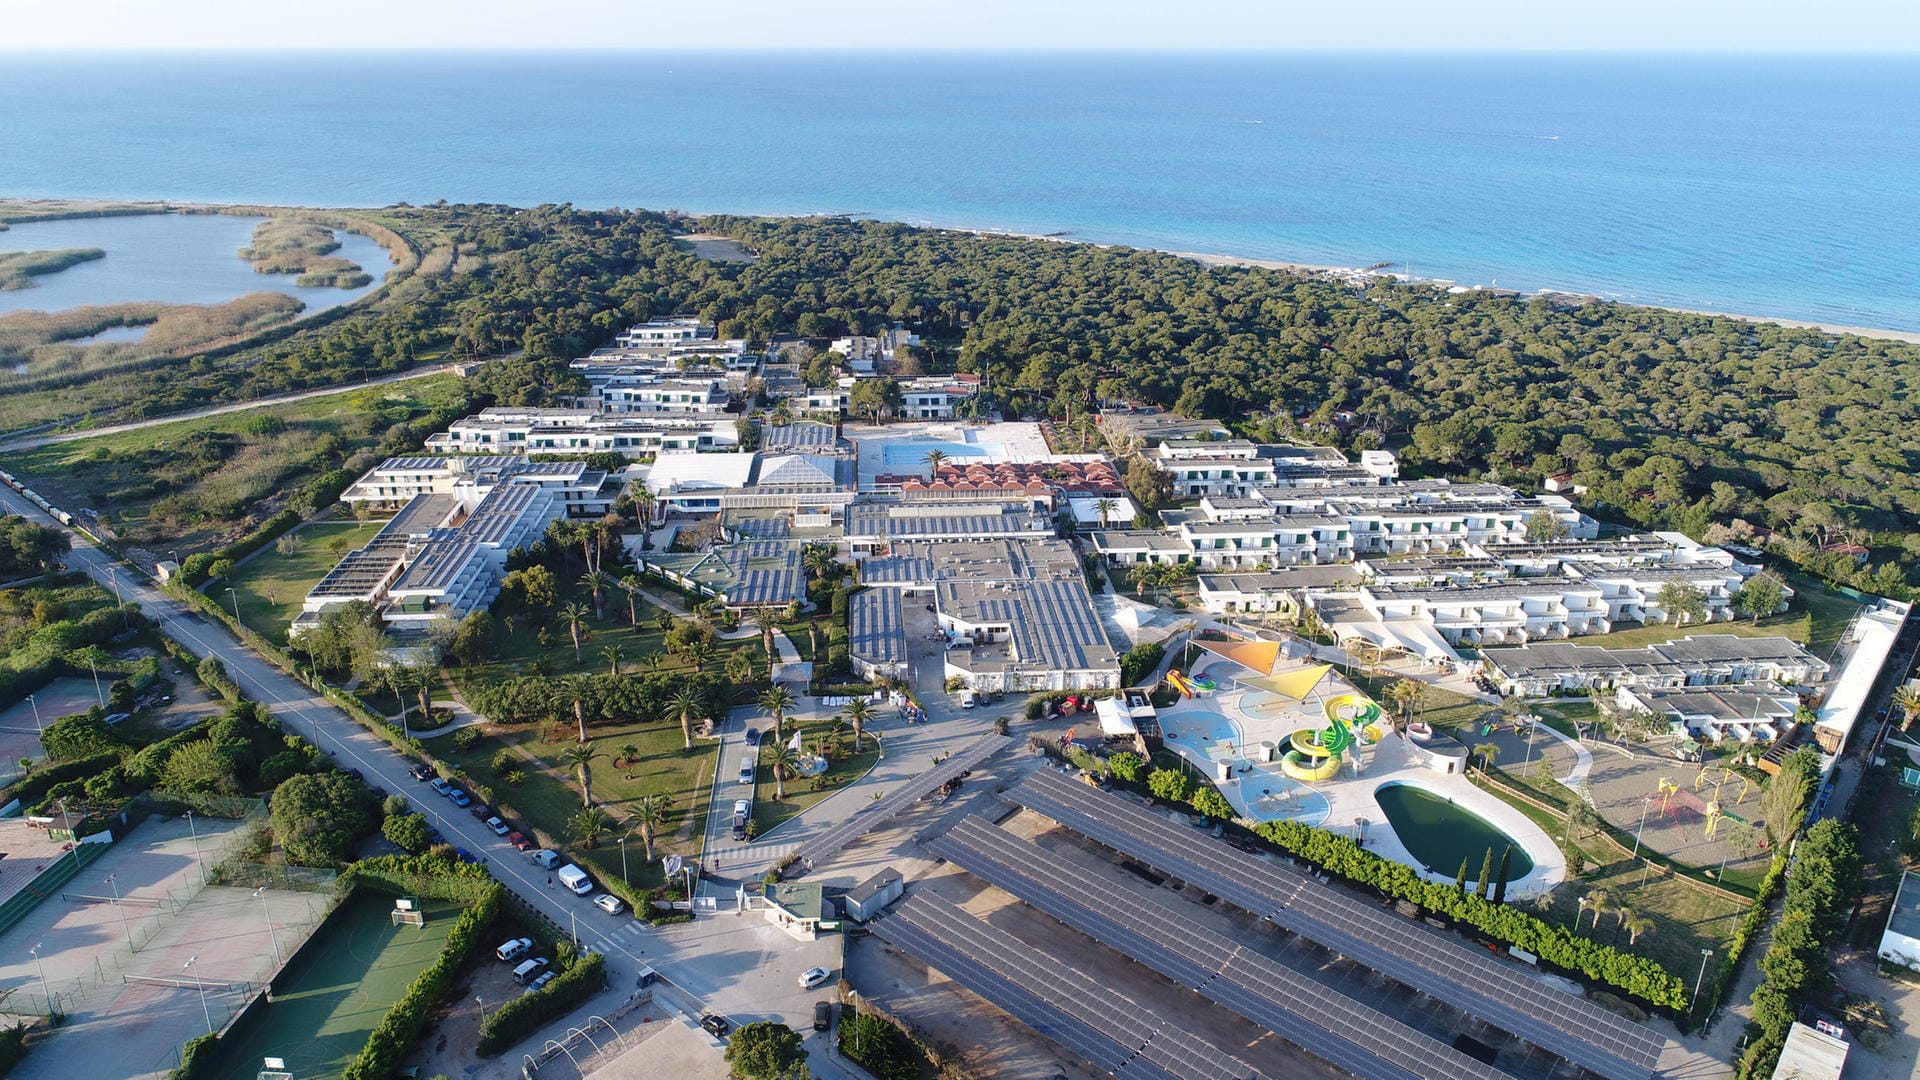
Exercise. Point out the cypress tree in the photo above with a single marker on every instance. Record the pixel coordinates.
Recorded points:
(1500, 883)
(1486, 873)
(1460, 879)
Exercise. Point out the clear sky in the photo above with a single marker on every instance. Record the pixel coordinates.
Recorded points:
(1581, 25)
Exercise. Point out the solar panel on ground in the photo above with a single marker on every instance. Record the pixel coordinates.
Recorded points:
(1292, 1005)
(1117, 1034)
(1508, 998)
(829, 843)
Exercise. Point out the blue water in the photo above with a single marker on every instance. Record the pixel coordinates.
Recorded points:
(1776, 186)
(173, 258)
(909, 454)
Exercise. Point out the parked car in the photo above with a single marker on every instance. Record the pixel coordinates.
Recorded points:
(742, 810)
(481, 811)
(467, 856)
(519, 841)
(609, 903)
(822, 1015)
(515, 949)
(813, 977)
(420, 771)
(435, 837)
(540, 982)
(497, 827)
(545, 860)
(753, 736)
(531, 969)
(747, 769)
(460, 798)
(440, 785)
(717, 1026)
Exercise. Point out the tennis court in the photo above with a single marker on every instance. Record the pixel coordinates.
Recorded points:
(336, 991)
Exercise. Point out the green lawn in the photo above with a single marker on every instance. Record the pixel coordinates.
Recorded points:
(1440, 708)
(338, 989)
(271, 586)
(846, 768)
(548, 794)
(1817, 619)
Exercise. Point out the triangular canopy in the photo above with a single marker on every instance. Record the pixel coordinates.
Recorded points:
(1255, 655)
(1294, 684)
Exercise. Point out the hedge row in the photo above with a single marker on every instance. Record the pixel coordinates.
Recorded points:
(39, 660)
(1756, 920)
(397, 1030)
(520, 1017)
(35, 786)
(1634, 975)
(438, 875)
(194, 568)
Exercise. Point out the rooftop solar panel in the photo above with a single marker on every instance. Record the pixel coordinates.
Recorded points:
(1146, 1043)
(1294, 1006)
(1508, 998)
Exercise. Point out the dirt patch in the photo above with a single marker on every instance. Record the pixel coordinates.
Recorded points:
(715, 248)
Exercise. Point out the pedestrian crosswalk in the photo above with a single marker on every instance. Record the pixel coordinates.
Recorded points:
(625, 937)
(735, 856)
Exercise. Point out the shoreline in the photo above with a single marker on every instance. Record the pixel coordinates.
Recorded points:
(1353, 275)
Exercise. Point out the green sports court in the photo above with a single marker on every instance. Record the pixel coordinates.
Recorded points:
(337, 990)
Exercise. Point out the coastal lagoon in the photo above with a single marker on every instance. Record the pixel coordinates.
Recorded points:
(170, 258)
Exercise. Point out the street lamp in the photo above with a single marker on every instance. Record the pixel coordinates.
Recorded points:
(44, 988)
(36, 713)
(623, 860)
(236, 603)
(97, 692)
(1700, 979)
(260, 894)
(124, 925)
(204, 1011)
(196, 848)
(574, 926)
(1645, 802)
(482, 1002)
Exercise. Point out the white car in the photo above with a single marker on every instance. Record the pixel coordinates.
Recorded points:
(609, 903)
(813, 977)
(498, 827)
(515, 949)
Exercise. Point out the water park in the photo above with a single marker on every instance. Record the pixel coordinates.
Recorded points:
(1287, 738)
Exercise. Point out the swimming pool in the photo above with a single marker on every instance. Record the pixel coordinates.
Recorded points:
(1266, 794)
(912, 454)
(1441, 834)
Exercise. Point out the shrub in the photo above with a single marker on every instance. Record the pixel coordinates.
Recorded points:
(764, 1050)
(878, 1046)
(1637, 976)
(409, 831)
(1170, 784)
(464, 739)
(36, 786)
(1210, 802)
(1140, 661)
(1127, 766)
(525, 1014)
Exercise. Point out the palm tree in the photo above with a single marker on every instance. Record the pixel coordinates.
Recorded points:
(581, 756)
(688, 706)
(1106, 506)
(643, 504)
(766, 620)
(1624, 913)
(653, 661)
(578, 689)
(859, 710)
(700, 653)
(819, 560)
(1907, 700)
(836, 731)
(596, 581)
(1597, 900)
(740, 667)
(573, 616)
(629, 753)
(649, 812)
(777, 699)
(631, 583)
(588, 823)
(613, 654)
(1636, 926)
(935, 459)
(783, 759)
(1404, 693)
(1486, 752)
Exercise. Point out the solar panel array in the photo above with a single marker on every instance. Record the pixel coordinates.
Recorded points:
(1574, 1029)
(1054, 998)
(877, 813)
(766, 572)
(1294, 1006)
(361, 573)
(876, 631)
(437, 565)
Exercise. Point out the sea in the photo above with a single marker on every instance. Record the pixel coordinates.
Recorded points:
(1779, 186)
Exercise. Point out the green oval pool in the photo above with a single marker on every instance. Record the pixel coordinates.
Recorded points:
(1440, 834)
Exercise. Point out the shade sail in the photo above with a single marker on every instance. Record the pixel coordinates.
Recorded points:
(1294, 684)
(1256, 656)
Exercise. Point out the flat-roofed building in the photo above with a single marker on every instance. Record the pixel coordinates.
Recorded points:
(1508, 611)
(1747, 712)
(874, 526)
(1541, 668)
(558, 431)
(579, 490)
(748, 574)
(877, 634)
(1274, 592)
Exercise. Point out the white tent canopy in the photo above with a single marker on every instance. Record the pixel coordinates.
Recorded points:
(1114, 719)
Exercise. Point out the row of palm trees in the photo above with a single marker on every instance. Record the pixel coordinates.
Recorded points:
(1597, 901)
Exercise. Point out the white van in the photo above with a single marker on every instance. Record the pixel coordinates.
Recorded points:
(531, 968)
(747, 769)
(545, 860)
(967, 700)
(575, 879)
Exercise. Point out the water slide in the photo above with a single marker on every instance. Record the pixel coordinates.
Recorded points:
(1316, 755)
(1179, 682)
(1203, 682)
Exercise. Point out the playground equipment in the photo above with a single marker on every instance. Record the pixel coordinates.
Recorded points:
(1202, 682)
(1316, 755)
(1668, 789)
(1180, 682)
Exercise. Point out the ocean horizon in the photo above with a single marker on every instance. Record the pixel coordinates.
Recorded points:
(1773, 186)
